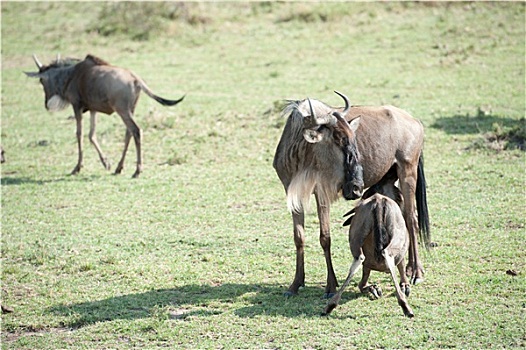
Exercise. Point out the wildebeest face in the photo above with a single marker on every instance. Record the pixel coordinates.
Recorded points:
(333, 130)
(50, 78)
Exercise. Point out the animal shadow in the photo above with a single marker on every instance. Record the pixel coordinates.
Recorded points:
(196, 301)
(473, 124)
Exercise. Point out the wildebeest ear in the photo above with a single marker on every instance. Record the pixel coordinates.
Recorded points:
(34, 74)
(312, 136)
(355, 123)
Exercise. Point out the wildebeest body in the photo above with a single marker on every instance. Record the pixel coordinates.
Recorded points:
(387, 136)
(96, 86)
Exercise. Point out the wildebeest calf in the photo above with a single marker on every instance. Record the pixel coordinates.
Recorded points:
(379, 240)
(96, 86)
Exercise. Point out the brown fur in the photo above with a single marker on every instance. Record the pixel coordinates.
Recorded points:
(378, 239)
(387, 137)
(94, 85)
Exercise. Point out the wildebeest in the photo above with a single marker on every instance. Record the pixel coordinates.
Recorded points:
(2, 155)
(386, 136)
(96, 86)
(378, 239)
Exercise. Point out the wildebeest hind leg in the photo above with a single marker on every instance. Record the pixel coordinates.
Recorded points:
(407, 179)
(127, 138)
(93, 140)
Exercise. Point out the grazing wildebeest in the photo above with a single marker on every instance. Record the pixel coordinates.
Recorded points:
(386, 136)
(2, 155)
(96, 86)
(378, 239)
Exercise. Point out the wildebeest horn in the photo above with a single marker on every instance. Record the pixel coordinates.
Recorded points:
(313, 115)
(347, 104)
(58, 57)
(314, 120)
(39, 65)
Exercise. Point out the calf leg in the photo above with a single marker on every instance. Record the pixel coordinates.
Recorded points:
(298, 220)
(404, 282)
(325, 242)
(357, 262)
(93, 140)
(402, 301)
(374, 290)
(78, 118)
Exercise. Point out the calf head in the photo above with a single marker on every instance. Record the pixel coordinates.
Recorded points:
(333, 129)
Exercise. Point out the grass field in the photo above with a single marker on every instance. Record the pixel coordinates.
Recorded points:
(198, 251)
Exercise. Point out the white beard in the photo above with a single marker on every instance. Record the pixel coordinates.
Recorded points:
(56, 103)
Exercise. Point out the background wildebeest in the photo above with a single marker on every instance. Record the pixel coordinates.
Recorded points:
(96, 86)
(386, 136)
(378, 240)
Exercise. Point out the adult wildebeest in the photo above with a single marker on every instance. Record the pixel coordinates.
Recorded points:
(96, 86)
(378, 239)
(386, 136)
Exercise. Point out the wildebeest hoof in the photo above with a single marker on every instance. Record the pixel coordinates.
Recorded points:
(106, 164)
(76, 170)
(289, 294)
(375, 292)
(416, 280)
(406, 289)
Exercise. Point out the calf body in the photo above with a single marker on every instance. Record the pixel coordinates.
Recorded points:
(96, 86)
(379, 240)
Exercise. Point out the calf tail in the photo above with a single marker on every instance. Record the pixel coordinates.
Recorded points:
(381, 236)
(163, 101)
(421, 204)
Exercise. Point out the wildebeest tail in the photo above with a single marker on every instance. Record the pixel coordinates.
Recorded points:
(163, 101)
(381, 237)
(421, 204)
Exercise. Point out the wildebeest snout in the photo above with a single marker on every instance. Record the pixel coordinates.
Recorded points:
(352, 190)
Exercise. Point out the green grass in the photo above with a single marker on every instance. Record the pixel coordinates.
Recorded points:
(198, 251)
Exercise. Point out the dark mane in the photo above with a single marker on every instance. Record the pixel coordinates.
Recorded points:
(98, 61)
(60, 63)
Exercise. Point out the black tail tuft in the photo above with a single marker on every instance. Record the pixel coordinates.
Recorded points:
(166, 102)
(421, 204)
(381, 238)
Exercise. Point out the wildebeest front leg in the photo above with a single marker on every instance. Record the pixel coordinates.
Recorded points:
(298, 220)
(78, 118)
(325, 241)
(93, 140)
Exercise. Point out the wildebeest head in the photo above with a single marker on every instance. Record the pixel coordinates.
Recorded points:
(53, 78)
(320, 127)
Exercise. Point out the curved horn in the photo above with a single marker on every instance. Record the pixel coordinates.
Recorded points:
(347, 104)
(58, 57)
(39, 65)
